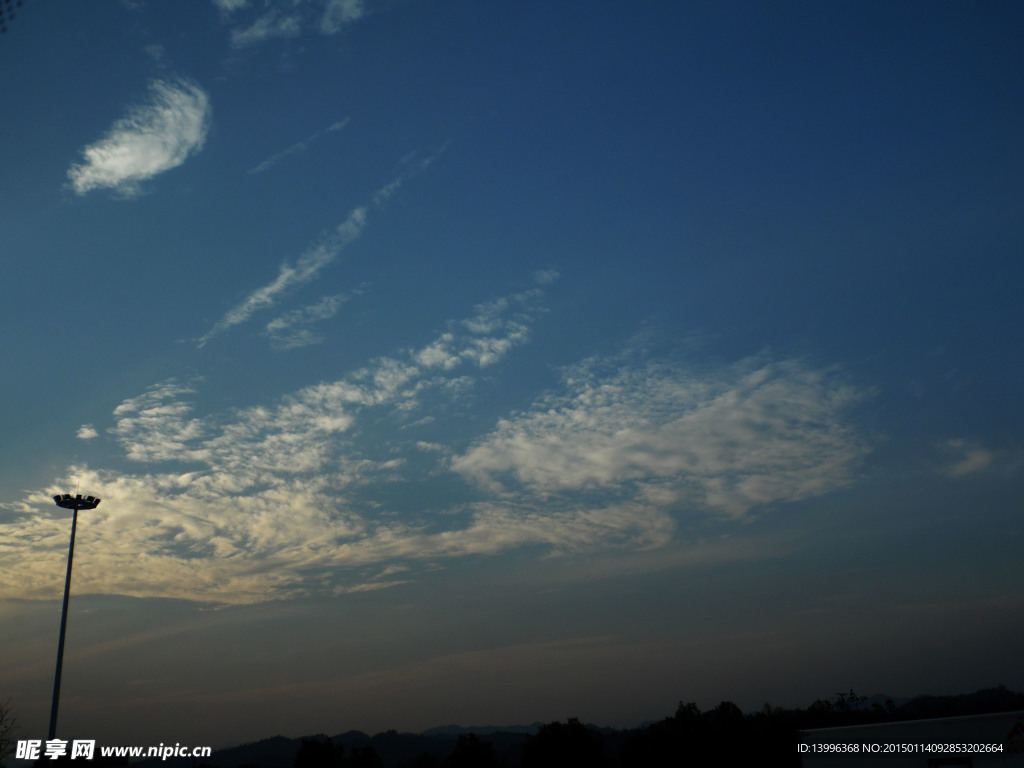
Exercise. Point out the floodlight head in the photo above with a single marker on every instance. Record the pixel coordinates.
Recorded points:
(67, 501)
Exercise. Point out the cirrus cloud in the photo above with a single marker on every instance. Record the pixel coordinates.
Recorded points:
(272, 501)
(751, 434)
(153, 137)
(320, 491)
(276, 19)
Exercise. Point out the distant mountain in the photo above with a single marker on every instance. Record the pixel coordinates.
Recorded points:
(406, 749)
(458, 730)
(989, 700)
(275, 751)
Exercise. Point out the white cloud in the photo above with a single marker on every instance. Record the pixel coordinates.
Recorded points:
(287, 18)
(87, 432)
(729, 441)
(266, 502)
(338, 14)
(290, 498)
(154, 137)
(495, 328)
(155, 425)
(267, 27)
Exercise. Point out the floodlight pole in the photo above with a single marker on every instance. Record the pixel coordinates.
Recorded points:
(73, 503)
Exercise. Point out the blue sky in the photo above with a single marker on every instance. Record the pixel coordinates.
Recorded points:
(496, 362)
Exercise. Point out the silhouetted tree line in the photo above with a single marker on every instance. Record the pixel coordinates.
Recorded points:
(722, 735)
(326, 754)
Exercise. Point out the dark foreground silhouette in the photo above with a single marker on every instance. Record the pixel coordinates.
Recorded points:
(723, 735)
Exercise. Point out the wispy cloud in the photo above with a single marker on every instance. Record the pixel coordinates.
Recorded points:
(728, 441)
(338, 14)
(971, 457)
(494, 329)
(309, 264)
(413, 164)
(152, 138)
(292, 329)
(545, 276)
(289, 498)
(290, 275)
(287, 18)
(229, 6)
(267, 27)
(265, 502)
(155, 426)
(300, 146)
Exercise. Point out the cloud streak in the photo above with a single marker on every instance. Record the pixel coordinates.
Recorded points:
(308, 266)
(300, 146)
(290, 275)
(152, 138)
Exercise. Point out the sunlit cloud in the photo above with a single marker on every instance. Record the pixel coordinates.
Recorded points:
(728, 441)
(156, 425)
(282, 500)
(154, 137)
(266, 502)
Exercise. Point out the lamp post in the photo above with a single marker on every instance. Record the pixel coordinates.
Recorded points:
(75, 503)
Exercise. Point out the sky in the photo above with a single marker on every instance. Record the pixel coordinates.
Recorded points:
(497, 362)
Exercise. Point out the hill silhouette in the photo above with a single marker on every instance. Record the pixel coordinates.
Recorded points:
(688, 736)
